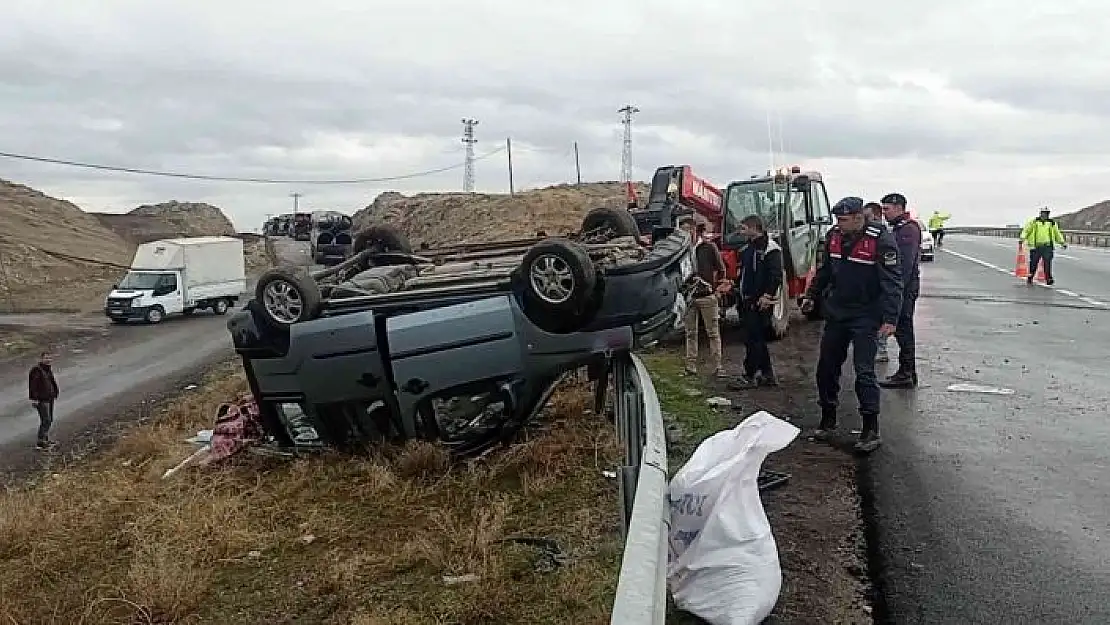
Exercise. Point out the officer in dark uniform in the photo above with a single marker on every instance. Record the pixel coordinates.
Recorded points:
(907, 234)
(860, 286)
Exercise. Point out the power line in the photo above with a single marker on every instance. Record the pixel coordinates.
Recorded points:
(469, 141)
(170, 174)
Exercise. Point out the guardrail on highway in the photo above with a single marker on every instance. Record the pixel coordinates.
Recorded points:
(642, 588)
(1094, 238)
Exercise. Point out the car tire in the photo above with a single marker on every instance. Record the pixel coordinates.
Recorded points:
(287, 296)
(610, 223)
(559, 282)
(155, 314)
(382, 239)
(220, 306)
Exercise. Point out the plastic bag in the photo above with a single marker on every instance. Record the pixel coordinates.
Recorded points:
(723, 564)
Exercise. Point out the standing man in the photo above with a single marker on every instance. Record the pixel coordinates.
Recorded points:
(861, 288)
(876, 211)
(1042, 234)
(936, 226)
(42, 390)
(710, 271)
(760, 280)
(907, 235)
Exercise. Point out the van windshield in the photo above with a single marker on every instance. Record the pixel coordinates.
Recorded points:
(141, 281)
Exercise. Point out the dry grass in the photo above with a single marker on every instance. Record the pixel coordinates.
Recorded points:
(331, 539)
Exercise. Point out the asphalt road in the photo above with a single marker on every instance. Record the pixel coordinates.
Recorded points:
(994, 508)
(119, 367)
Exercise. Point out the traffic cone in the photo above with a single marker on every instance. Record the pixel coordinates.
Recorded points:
(1040, 272)
(1021, 266)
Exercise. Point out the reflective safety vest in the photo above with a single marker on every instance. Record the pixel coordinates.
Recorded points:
(864, 251)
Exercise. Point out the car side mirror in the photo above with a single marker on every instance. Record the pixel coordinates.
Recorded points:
(115, 287)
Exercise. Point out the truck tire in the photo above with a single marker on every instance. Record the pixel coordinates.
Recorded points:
(220, 306)
(155, 314)
(560, 283)
(382, 239)
(287, 296)
(610, 223)
(780, 313)
(188, 312)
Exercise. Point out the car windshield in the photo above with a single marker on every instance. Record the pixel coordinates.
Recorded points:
(759, 197)
(140, 281)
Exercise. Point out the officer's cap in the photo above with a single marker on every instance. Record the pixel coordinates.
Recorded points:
(1045, 210)
(848, 206)
(894, 198)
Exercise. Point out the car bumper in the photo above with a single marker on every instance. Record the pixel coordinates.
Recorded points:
(126, 314)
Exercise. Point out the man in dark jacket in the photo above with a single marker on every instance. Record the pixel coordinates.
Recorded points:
(907, 234)
(860, 285)
(760, 279)
(42, 390)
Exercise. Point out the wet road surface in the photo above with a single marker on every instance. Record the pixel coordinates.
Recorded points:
(994, 508)
(123, 363)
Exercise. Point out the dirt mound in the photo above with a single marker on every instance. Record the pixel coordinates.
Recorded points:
(441, 218)
(168, 220)
(40, 241)
(1094, 217)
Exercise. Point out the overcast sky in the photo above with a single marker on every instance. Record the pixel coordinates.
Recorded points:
(984, 108)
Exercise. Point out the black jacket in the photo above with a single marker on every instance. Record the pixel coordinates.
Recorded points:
(861, 277)
(907, 235)
(41, 385)
(760, 269)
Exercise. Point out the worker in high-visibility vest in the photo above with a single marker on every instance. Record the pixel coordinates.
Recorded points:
(1042, 235)
(936, 226)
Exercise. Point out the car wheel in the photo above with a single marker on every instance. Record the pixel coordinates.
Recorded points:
(382, 239)
(559, 284)
(606, 224)
(220, 307)
(287, 297)
(155, 314)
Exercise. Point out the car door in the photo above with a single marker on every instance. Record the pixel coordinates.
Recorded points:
(802, 235)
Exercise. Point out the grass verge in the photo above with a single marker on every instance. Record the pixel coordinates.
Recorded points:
(815, 516)
(331, 539)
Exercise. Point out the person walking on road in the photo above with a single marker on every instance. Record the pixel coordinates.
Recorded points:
(760, 280)
(710, 270)
(860, 286)
(1042, 235)
(907, 235)
(936, 226)
(42, 390)
(883, 354)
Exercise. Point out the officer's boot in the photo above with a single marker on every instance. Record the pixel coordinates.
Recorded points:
(869, 439)
(827, 429)
(902, 378)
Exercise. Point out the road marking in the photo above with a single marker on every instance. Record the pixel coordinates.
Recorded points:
(1009, 272)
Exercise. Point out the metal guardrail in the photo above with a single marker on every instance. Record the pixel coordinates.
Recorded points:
(641, 597)
(1094, 238)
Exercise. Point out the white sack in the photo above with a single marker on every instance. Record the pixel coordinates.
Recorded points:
(723, 564)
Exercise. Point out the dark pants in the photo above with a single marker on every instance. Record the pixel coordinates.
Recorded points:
(938, 235)
(46, 418)
(903, 333)
(758, 356)
(1038, 254)
(837, 336)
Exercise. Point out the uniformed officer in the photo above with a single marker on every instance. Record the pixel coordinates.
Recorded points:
(860, 286)
(907, 234)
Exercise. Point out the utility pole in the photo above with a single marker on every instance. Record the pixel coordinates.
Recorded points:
(469, 141)
(577, 167)
(296, 200)
(509, 149)
(626, 154)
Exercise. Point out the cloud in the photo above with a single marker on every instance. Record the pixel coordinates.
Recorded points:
(977, 105)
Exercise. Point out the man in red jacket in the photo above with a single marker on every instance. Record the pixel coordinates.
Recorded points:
(42, 390)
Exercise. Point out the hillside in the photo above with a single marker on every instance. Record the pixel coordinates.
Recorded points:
(36, 229)
(442, 218)
(1094, 217)
(168, 220)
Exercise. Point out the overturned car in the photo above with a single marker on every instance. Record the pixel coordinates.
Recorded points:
(461, 345)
